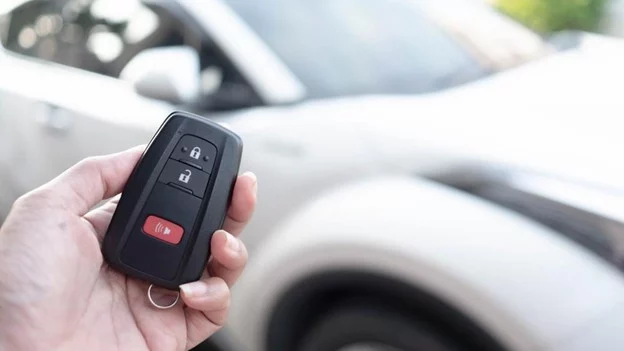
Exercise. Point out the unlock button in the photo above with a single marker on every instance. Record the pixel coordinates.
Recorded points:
(184, 177)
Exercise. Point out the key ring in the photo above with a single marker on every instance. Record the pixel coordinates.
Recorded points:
(149, 296)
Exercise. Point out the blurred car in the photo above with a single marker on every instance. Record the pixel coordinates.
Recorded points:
(103, 69)
(467, 210)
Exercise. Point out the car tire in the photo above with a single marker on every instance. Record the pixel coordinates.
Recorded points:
(366, 327)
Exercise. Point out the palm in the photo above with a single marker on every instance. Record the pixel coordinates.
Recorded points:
(126, 305)
(123, 301)
(104, 308)
(56, 292)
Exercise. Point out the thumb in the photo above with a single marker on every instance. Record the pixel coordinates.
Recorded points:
(92, 180)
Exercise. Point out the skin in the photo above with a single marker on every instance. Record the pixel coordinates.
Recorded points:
(57, 293)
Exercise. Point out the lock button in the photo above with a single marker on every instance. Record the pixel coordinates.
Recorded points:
(195, 152)
(184, 178)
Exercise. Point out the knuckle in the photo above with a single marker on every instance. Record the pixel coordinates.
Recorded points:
(22, 201)
(227, 300)
(241, 258)
(220, 318)
(39, 197)
(89, 163)
(237, 258)
(224, 295)
(224, 306)
(244, 253)
(220, 285)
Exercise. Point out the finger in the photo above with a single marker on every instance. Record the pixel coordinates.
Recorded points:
(229, 257)
(91, 180)
(207, 302)
(206, 295)
(100, 217)
(243, 203)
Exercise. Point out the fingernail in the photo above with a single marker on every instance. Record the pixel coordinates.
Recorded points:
(232, 242)
(194, 289)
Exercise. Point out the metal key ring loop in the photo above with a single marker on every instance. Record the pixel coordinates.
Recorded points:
(149, 296)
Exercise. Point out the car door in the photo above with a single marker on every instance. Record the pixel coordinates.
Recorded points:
(60, 98)
(56, 105)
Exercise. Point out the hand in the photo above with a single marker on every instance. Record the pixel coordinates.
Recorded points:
(56, 292)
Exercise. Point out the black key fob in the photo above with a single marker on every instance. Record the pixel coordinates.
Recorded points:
(175, 199)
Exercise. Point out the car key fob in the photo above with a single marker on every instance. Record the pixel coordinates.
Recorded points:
(175, 199)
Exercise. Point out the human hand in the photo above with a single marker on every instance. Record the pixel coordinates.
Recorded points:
(57, 293)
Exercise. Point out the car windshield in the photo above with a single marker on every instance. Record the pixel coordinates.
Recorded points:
(348, 47)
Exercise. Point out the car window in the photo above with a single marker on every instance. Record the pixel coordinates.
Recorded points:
(102, 36)
(99, 36)
(345, 47)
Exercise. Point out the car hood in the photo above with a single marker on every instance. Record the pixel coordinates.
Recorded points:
(559, 115)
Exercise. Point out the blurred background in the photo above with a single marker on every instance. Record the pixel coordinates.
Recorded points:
(434, 174)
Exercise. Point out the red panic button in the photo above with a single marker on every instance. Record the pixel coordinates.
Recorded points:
(163, 229)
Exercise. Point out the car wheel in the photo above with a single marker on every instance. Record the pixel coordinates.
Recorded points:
(367, 328)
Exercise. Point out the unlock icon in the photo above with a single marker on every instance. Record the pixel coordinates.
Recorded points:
(185, 176)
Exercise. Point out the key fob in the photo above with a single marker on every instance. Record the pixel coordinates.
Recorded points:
(175, 199)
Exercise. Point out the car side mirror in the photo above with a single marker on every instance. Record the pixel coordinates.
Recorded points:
(166, 73)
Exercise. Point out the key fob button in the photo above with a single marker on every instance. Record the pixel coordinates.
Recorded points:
(163, 229)
(196, 152)
(166, 205)
(185, 176)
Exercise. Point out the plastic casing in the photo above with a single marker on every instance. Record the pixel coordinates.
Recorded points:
(144, 177)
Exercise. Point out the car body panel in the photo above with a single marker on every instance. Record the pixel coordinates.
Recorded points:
(54, 115)
(321, 144)
(536, 117)
(604, 334)
(521, 282)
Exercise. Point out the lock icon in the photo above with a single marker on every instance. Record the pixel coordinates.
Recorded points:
(185, 176)
(196, 152)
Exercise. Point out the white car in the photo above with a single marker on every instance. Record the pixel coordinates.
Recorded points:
(485, 216)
